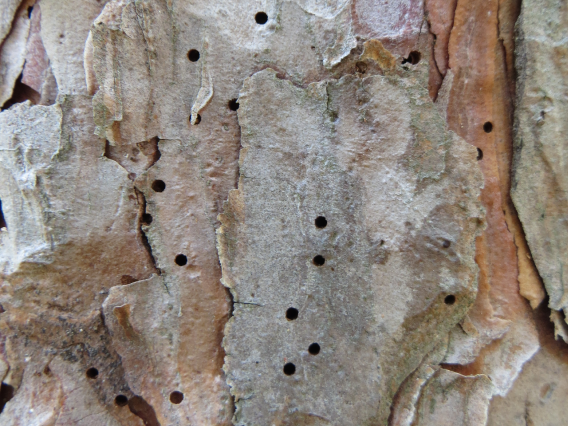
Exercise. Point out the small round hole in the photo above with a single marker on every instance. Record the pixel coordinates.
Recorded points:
(314, 349)
(413, 58)
(446, 243)
(488, 127)
(291, 314)
(450, 299)
(92, 373)
(233, 104)
(121, 400)
(197, 120)
(159, 185)
(193, 55)
(321, 222)
(319, 260)
(181, 260)
(479, 154)
(176, 397)
(261, 18)
(289, 369)
(147, 219)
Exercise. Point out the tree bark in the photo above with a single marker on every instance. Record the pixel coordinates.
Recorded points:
(288, 212)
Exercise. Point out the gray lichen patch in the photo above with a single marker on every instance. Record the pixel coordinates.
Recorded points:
(381, 284)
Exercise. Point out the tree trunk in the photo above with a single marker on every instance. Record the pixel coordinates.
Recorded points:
(283, 212)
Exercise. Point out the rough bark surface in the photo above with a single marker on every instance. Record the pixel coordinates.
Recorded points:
(352, 151)
(283, 212)
(540, 187)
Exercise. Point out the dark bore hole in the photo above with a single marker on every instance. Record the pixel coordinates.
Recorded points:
(30, 10)
(314, 349)
(92, 373)
(479, 154)
(413, 58)
(193, 55)
(181, 259)
(289, 369)
(233, 104)
(176, 397)
(488, 127)
(292, 314)
(121, 400)
(321, 222)
(159, 185)
(6, 394)
(450, 299)
(147, 219)
(446, 243)
(261, 18)
(197, 121)
(319, 260)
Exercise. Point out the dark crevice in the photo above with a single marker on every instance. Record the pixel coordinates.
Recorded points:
(152, 153)
(519, 237)
(510, 71)
(6, 394)
(127, 279)
(435, 78)
(142, 217)
(3, 223)
(231, 313)
(107, 153)
(139, 407)
(435, 43)
(546, 328)
(22, 93)
(233, 403)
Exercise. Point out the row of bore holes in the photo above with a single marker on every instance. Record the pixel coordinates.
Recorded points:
(233, 106)
(193, 55)
(487, 128)
(261, 18)
(176, 397)
(160, 186)
(320, 222)
(292, 313)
